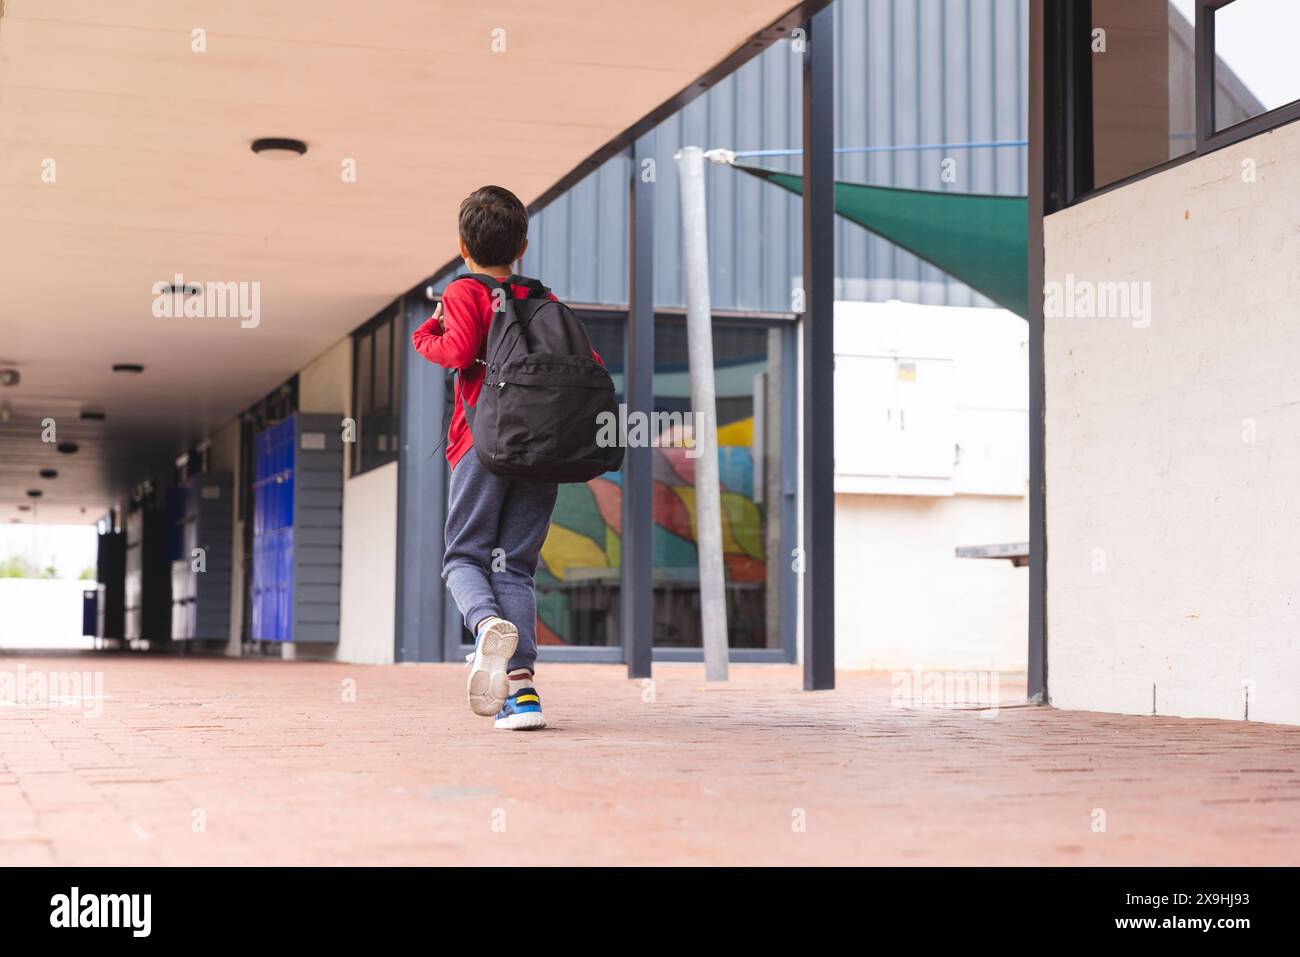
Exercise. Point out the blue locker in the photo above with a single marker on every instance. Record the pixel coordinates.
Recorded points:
(297, 469)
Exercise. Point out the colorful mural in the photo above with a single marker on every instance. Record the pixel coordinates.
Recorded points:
(582, 547)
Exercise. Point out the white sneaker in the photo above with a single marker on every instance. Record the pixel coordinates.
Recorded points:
(488, 684)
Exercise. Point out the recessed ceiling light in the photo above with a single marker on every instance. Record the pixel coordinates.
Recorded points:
(68, 448)
(93, 415)
(276, 147)
(49, 473)
(188, 289)
(34, 493)
(24, 508)
(133, 368)
(10, 377)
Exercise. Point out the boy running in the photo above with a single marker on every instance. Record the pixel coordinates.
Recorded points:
(495, 525)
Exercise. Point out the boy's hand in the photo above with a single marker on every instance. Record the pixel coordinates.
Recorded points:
(437, 314)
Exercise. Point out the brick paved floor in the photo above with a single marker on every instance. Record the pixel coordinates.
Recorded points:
(279, 768)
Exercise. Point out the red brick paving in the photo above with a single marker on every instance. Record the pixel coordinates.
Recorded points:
(281, 769)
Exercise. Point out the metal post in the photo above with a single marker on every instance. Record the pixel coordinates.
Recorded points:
(636, 606)
(421, 497)
(699, 346)
(789, 484)
(819, 353)
(1038, 118)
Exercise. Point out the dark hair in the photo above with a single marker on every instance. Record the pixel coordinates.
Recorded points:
(494, 225)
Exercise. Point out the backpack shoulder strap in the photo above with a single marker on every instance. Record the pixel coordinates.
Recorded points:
(535, 289)
(482, 278)
(491, 283)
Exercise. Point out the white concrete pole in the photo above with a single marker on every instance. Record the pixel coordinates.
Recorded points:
(699, 344)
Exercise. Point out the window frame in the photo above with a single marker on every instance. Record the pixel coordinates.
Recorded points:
(785, 652)
(1207, 137)
(1068, 94)
(360, 458)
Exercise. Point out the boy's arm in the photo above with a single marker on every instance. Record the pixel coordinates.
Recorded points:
(431, 329)
(450, 338)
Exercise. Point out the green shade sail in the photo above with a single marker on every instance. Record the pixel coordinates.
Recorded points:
(979, 239)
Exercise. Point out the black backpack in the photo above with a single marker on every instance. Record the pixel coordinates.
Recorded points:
(538, 415)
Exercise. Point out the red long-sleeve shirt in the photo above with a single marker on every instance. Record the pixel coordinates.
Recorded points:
(466, 316)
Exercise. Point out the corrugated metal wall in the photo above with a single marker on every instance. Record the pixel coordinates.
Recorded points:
(907, 72)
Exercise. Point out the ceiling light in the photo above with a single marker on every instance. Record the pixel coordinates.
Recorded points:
(275, 147)
(49, 473)
(68, 448)
(93, 415)
(133, 368)
(10, 377)
(34, 493)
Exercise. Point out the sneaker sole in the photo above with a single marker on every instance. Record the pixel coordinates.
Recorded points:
(489, 685)
(528, 721)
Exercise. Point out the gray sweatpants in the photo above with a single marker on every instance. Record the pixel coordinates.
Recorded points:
(494, 535)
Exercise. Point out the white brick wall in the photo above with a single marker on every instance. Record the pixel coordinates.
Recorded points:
(1173, 539)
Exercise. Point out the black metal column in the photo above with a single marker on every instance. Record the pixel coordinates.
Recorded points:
(421, 497)
(1038, 198)
(637, 583)
(819, 353)
(789, 467)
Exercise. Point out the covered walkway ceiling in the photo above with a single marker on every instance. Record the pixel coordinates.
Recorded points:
(152, 176)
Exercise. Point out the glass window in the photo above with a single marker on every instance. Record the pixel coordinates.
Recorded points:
(746, 365)
(379, 426)
(376, 391)
(1142, 59)
(578, 575)
(401, 341)
(363, 356)
(1133, 70)
(1255, 67)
